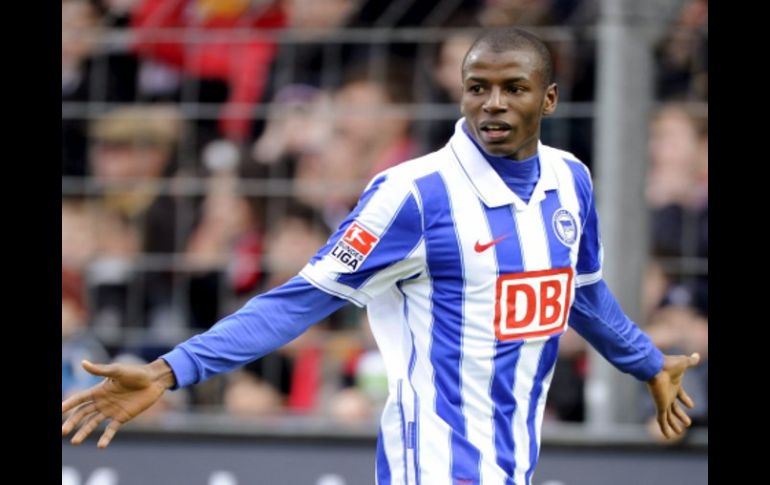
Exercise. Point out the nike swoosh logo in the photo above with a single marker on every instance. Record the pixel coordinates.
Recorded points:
(480, 248)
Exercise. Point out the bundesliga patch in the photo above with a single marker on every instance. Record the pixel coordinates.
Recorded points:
(354, 246)
(565, 227)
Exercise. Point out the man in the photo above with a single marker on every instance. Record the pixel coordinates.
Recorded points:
(467, 260)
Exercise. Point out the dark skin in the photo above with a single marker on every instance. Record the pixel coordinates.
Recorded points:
(506, 90)
(504, 99)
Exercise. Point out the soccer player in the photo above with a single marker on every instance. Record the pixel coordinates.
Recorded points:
(470, 260)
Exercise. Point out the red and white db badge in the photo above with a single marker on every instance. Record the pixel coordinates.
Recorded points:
(532, 304)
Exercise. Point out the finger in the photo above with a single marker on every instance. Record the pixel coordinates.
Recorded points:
(672, 422)
(683, 417)
(74, 400)
(109, 433)
(104, 370)
(83, 424)
(91, 423)
(75, 418)
(685, 398)
(663, 425)
(694, 359)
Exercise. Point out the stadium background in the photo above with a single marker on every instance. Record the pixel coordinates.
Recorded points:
(209, 147)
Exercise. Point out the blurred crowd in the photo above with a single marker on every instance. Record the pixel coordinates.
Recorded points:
(209, 147)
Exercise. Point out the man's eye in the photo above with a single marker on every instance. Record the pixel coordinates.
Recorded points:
(514, 89)
(476, 89)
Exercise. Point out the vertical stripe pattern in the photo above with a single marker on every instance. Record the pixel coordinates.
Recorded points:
(507, 253)
(450, 299)
(445, 266)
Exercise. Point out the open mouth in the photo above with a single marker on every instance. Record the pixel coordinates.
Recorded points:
(492, 131)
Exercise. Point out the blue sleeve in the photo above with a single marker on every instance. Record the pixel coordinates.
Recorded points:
(598, 318)
(263, 324)
(589, 262)
(377, 245)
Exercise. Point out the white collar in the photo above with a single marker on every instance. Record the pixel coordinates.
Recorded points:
(487, 183)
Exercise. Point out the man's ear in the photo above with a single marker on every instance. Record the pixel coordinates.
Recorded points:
(551, 99)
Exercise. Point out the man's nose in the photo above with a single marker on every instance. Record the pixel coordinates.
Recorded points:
(494, 102)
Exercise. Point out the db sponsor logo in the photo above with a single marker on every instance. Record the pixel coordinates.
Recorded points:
(354, 246)
(533, 304)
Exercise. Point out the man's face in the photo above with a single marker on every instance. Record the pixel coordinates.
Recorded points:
(504, 98)
(125, 160)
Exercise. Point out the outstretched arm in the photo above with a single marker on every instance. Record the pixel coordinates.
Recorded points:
(597, 317)
(387, 208)
(265, 323)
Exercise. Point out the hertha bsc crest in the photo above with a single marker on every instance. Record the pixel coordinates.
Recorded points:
(565, 227)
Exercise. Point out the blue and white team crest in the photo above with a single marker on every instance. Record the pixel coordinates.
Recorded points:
(565, 227)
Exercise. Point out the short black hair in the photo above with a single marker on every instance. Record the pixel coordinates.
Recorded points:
(512, 38)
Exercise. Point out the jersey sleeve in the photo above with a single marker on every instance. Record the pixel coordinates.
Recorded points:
(596, 316)
(377, 245)
(590, 252)
(263, 324)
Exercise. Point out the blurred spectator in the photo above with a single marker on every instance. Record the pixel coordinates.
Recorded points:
(101, 246)
(296, 126)
(118, 12)
(681, 329)
(370, 134)
(371, 121)
(91, 71)
(448, 70)
(677, 193)
(89, 233)
(682, 55)
(246, 395)
(316, 62)
(224, 214)
(241, 66)
(292, 375)
(676, 298)
(133, 152)
(501, 13)
(678, 171)
(224, 250)
(364, 388)
(77, 342)
(319, 64)
(78, 18)
(447, 80)
(291, 242)
(565, 400)
(298, 131)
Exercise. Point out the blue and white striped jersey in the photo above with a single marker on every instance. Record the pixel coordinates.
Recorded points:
(468, 290)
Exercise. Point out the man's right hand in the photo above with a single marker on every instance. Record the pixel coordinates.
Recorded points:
(126, 391)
